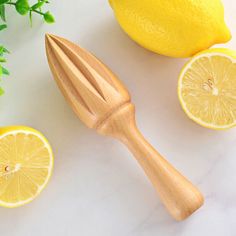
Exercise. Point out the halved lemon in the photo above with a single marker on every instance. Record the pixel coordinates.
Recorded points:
(26, 163)
(207, 88)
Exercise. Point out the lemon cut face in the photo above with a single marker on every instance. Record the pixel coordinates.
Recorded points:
(26, 163)
(207, 88)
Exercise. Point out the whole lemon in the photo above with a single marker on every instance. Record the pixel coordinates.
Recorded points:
(176, 28)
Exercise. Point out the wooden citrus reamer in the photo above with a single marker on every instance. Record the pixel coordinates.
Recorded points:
(102, 102)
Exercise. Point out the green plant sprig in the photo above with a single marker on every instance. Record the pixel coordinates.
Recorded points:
(3, 70)
(22, 7)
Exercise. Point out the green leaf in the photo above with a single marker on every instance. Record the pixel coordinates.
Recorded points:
(4, 26)
(2, 59)
(30, 18)
(37, 5)
(22, 7)
(48, 17)
(2, 12)
(3, 1)
(5, 50)
(1, 50)
(1, 91)
(5, 71)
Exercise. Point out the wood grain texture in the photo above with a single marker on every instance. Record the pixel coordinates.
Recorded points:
(102, 102)
(179, 196)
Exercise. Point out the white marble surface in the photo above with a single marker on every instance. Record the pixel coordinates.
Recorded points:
(97, 187)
